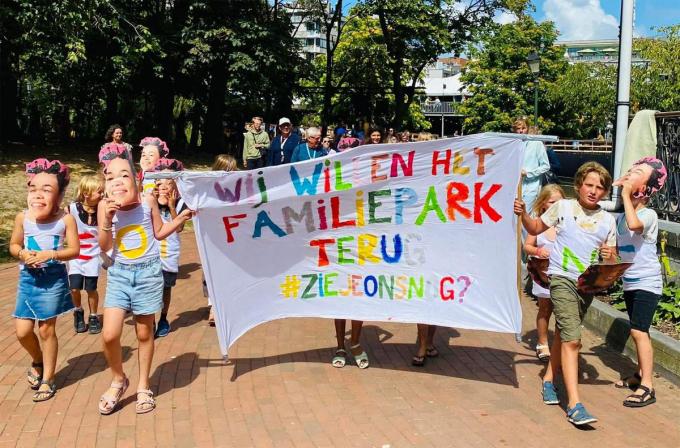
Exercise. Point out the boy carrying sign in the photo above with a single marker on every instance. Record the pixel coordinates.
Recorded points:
(585, 233)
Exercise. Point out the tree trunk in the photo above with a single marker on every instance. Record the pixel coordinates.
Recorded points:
(195, 130)
(397, 88)
(214, 133)
(9, 98)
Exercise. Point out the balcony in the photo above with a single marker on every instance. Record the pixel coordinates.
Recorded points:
(449, 108)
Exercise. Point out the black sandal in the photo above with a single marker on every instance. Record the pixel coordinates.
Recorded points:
(44, 395)
(632, 382)
(640, 401)
(418, 361)
(34, 380)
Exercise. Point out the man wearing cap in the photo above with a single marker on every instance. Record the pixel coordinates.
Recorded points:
(282, 146)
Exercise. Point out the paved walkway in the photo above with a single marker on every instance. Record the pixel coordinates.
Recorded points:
(280, 390)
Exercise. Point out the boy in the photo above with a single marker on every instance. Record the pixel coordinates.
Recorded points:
(584, 233)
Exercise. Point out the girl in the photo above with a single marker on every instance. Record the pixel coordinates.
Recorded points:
(134, 281)
(540, 246)
(43, 238)
(153, 148)
(223, 162)
(637, 232)
(374, 137)
(84, 270)
(170, 205)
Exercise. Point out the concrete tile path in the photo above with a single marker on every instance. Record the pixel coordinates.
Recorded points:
(280, 390)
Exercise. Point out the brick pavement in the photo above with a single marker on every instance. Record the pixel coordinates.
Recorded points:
(280, 390)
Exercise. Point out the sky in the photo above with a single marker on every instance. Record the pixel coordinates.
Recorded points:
(599, 19)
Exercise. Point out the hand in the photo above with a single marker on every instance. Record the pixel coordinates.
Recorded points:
(38, 258)
(606, 252)
(245, 164)
(186, 215)
(519, 207)
(112, 206)
(524, 173)
(542, 252)
(172, 199)
(25, 253)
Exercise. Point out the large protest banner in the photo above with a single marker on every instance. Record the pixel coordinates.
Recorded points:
(418, 232)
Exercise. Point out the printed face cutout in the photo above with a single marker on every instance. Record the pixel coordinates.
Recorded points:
(120, 182)
(43, 195)
(149, 157)
(591, 191)
(166, 188)
(638, 176)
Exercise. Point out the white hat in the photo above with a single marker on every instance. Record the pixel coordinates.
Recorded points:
(284, 120)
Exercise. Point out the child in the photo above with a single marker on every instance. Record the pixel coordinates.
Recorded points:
(223, 162)
(584, 232)
(637, 231)
(84, 270)
(134, 281)
(42, 239)
(153, 148)
(539, 246)
(170, 205)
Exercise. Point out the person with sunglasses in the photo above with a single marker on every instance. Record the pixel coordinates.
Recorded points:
(283, 145)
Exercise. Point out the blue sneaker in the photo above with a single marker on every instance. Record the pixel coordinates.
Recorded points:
(579, 416)
(549, 393)
(163, 329)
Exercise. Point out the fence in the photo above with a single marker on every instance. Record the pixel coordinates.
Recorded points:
(668, 150)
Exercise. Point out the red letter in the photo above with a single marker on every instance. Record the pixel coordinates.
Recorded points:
(446, 162)
(481, 153)
(406, 168)
(323, 256)
(483, 203)
(228, 226)
(375, 166)
(450, 294)
(335, 213)
(462, 193)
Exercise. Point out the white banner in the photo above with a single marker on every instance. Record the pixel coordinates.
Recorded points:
(418, 232)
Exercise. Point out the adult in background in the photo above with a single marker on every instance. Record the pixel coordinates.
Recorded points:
(255, 144)
(374, 137)
(311, 148)
(283, 145)
(535, 164)
(404, 136)
(114, 134)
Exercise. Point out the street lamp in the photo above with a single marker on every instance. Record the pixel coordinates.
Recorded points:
(534, 63)
(442, 106)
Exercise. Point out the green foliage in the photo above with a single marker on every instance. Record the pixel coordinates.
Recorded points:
(499, 79)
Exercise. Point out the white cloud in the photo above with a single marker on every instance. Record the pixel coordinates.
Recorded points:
(581, 19)
(504, 18)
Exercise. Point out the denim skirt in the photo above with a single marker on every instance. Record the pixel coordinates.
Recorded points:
(43, 293)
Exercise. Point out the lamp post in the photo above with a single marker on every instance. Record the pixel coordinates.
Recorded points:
(534, 63)
(441, 104)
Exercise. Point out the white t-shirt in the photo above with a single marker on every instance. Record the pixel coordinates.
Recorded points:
(580, 233)
(88, 262)
(170, 246)
(640, 249)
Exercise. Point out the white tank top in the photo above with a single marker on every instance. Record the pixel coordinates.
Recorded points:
(645, 273)
(40, 237)
(542, 241)
(88, 261)
(170, 246)
(575, 249)
(134, 238)
(147, 186)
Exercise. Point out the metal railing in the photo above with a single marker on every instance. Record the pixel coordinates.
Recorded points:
(581, 145)
(666, 201)
(443, 107)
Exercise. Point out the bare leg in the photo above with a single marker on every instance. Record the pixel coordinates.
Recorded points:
(555, 363)
(431, 330)
(545, 308)
(93, 301)
(570, 370)
(356, 331)
(340, 327)
(29, 341)
(167, 296)
(144, 328)
(423, 330)
(645, 355)
(50, 345)
(113, 328)
(75, 296)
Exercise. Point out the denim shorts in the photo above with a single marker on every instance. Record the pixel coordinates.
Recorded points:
(135, 287)
(43, 293)
(641, 305)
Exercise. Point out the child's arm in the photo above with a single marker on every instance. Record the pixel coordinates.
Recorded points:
(172, 203)
(634, 223)
(531, 249)
(534, 226)
(161, 230)
(71, 241)
(608, 248)
(16, 241)
(106, 210)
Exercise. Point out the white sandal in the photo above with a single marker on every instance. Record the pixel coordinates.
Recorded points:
(540, 354)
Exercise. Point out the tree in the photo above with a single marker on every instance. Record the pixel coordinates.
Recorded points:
(500, 82)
